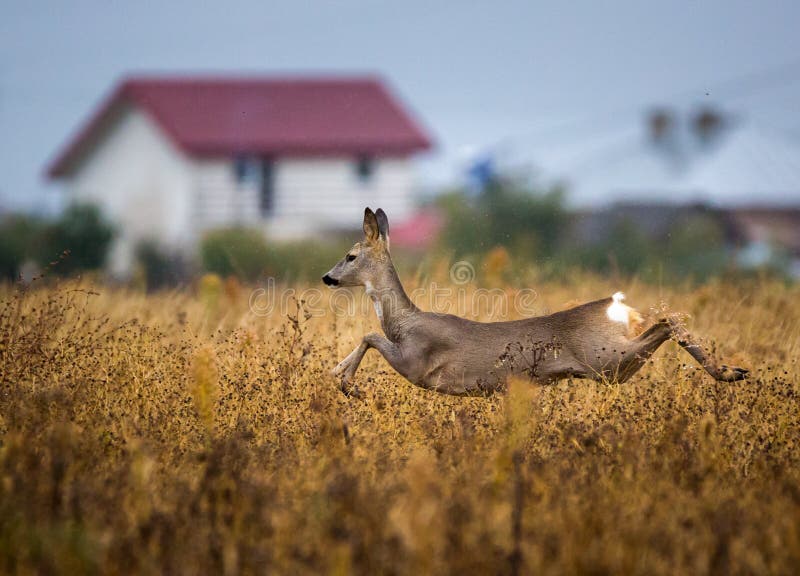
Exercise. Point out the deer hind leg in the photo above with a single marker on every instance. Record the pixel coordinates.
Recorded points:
(642, 347)
(721, 372)
(671, 328)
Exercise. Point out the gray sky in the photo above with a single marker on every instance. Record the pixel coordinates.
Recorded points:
(525, 73)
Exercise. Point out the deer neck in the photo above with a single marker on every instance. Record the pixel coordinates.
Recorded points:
(390, 300)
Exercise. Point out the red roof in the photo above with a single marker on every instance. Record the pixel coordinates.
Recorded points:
(274, 116)
(418, 232)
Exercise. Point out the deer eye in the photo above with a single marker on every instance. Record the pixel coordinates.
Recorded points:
(351, 257)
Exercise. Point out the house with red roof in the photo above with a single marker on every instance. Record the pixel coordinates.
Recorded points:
(169, 158)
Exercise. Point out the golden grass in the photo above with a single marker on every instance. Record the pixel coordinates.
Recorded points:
(180, 433)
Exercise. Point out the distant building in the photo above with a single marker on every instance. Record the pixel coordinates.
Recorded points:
(661, 174)
(765, 235)
(170, 158)
(756, 237)
(654, 221)
(701, 157)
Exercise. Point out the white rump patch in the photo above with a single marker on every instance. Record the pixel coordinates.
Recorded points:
(619, 312)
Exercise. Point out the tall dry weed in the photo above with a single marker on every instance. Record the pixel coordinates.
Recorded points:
(179, 433)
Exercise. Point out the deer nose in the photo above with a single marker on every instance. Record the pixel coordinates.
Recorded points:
(330, 281)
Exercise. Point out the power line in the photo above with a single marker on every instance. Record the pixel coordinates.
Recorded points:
(732, 88)
(751, 82)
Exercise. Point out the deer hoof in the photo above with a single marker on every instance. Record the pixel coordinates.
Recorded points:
(351, 391)
(341, 367)
(732, 374)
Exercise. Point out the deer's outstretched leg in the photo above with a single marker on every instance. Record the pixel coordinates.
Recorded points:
(671, 328)
(686, 341)
(388, 349)
(642, 348)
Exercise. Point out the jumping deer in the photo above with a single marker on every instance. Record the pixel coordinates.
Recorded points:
(461, 357)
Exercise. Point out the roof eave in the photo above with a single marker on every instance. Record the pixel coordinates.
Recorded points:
(299, 149)
(61, 166)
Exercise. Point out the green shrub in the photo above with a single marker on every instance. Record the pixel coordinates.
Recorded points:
(625, 249)
(234, 252)
(696, 248)
(246, 253)
(160, 267)
(79, 240)
(529, 223)
(19, 238)
(304, 259)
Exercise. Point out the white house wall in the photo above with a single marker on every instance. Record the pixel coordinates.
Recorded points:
(315, 195)
(311, 195)
(220, 200)
(142, 182)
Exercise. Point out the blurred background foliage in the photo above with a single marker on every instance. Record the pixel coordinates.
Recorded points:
(536, 229)
(78, 241)
(18, 237)
(508, 230)
(246, 254)
(530, 224)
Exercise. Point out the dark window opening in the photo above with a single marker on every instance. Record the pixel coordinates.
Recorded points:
(241, 168)
(247, 169)
(365, 168)
(266, 197)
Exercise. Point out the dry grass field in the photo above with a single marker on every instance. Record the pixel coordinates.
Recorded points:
(181, 433)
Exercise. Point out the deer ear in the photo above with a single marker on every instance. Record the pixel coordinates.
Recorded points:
(371, 229)
(383, 225)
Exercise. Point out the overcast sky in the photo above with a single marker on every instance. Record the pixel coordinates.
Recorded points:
(523, 73)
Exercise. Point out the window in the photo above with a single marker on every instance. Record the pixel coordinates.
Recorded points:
(266, 197)
(253, 173)
(243, 169)
(365, 168)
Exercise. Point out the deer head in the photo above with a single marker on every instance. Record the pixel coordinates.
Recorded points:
(367, 261)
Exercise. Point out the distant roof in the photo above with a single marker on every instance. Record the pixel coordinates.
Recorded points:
(210, 116)
(612, 166)
(747, 165)
(753, 166)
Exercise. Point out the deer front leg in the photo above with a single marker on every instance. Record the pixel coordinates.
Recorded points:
(388, 349)
(347, 367)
